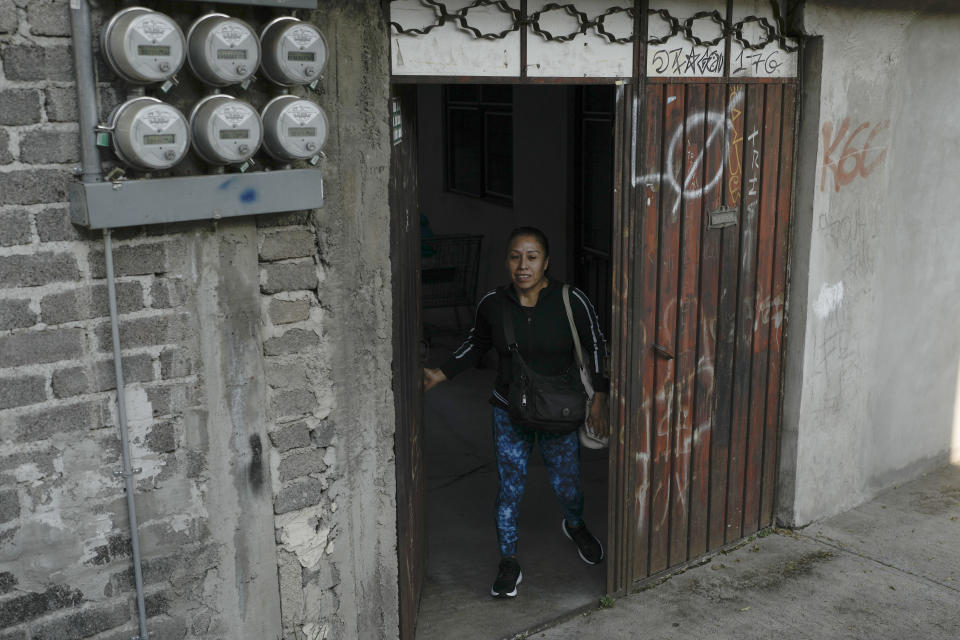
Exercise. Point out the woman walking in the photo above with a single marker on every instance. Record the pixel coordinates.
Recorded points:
(531, 308)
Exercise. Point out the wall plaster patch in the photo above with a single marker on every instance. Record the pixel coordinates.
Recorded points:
(831, 296)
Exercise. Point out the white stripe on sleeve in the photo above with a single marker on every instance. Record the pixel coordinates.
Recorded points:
(467, 345)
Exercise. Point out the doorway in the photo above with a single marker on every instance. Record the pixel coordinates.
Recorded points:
(490, 158)
(699, 244)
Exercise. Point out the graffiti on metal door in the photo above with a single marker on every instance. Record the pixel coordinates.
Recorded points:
(685, 185)
(705, 449)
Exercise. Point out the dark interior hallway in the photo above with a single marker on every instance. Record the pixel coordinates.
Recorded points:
(490, 158)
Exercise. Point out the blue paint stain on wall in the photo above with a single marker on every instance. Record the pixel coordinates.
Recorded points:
(248, 196)
(226, 184)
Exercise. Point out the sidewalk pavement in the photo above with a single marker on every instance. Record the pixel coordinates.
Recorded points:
(889, 569)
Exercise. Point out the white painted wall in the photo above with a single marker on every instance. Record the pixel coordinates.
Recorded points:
(874, 338)
(771, 60)
(586, 55)
(448, 50)
(451, 50)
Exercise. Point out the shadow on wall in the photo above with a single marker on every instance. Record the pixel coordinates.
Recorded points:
(955, 445)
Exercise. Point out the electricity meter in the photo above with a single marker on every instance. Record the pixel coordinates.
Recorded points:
(149, 134)
(222, 50)
(294, 52)
(143, 46)
(225, 130)
(293, 128)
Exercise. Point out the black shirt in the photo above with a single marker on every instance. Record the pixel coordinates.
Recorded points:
(543, 337)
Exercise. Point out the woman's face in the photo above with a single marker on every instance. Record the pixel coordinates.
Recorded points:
(527, 263)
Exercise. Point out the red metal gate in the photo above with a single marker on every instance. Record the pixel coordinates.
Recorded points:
(703, 286)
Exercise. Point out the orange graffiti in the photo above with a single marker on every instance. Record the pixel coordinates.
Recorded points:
(853, 161)
(736, 137)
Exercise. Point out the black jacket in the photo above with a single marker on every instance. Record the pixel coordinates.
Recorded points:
(542, 333)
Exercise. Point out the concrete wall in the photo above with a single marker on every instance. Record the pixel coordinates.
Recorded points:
(873, 346)
(257, 355)
(542, 188)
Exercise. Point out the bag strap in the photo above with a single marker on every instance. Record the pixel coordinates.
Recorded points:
(508, 327)
(573, 326)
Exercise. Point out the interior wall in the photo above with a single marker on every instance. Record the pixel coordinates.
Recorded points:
(543, 192)
(876, 280)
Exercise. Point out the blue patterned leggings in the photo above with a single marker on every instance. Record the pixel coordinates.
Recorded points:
(561, 455)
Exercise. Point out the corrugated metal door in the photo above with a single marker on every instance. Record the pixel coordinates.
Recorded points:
(713, 208)
(407, 361)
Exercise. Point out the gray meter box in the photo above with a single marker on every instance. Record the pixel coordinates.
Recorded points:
(130, 203)
(111, 205)
(280, 4)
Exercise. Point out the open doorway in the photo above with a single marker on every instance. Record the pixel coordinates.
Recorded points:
(490, 158)
(699, 274)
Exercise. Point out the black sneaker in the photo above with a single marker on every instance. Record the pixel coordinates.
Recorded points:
(508, 577)
(590, 549)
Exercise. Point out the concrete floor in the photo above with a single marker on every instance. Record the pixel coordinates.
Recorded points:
(462, 548)
(887, 570)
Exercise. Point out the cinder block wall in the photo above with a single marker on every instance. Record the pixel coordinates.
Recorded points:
(257, 358)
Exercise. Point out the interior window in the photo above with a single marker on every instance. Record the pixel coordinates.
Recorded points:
(479, 137)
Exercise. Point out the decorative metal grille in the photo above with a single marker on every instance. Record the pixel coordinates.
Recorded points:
(461, 17)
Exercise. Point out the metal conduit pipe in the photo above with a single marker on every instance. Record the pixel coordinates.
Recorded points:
(91, 171)
(126, 471)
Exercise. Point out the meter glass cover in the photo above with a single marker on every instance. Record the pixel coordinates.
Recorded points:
(302, 132)
(301, 56)
(153, 50)
(303, 35)
(153, 26)
(234, 134)
(159, 138)
(231, 54)
(233, 32)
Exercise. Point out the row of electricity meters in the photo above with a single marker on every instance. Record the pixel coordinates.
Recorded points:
(153, 136)
(144, 46)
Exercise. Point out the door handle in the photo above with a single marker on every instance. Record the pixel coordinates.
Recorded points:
(663, 352)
